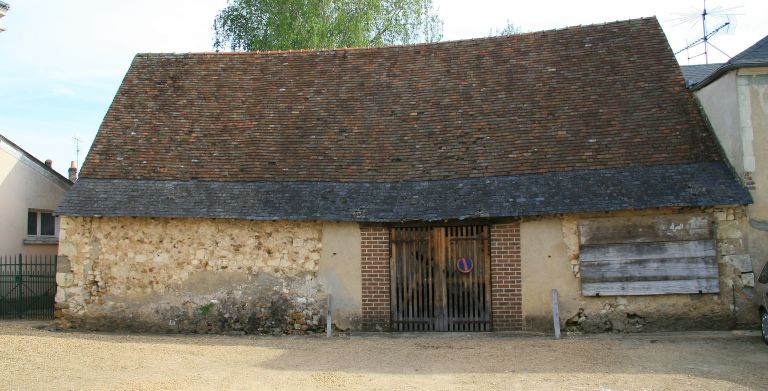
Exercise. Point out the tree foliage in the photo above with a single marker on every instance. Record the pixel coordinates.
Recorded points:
(510, 29)
(252, 25)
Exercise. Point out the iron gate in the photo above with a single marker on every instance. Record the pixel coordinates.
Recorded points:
(27, 286)
(441, 278)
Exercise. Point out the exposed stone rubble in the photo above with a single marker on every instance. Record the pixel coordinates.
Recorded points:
(189, 276)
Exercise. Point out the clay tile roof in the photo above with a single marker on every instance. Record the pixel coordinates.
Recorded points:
(600, 97)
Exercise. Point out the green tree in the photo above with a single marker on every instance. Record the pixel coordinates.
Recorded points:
(316, 24)
(510, 29)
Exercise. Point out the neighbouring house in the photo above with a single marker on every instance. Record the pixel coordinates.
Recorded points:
(734, 97)
(447, 186)
(30, 191)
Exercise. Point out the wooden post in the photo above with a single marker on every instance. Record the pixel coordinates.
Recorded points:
(555, 314)
(328, 321)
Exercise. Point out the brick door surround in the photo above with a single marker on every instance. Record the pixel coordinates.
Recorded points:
(506, 277)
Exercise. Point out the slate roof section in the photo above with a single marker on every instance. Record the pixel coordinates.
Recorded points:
(754, 56)
(591, 97)
(694, 74)
(698, 184)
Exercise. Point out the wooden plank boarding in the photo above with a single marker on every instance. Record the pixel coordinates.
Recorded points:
(648, 255)
(630, 288)
(649, 269)
(680, 249)
(638, 229)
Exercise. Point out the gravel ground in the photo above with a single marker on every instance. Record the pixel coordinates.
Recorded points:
(32, 357)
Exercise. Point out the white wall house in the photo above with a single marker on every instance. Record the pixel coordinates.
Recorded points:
(734, 97)
(30, 190)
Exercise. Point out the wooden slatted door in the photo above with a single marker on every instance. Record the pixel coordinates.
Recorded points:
(468, 294)
(441, 279)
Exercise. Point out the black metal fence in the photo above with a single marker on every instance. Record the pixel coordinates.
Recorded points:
(27, 286)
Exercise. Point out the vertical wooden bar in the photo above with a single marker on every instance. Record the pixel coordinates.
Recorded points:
(425, 278)
(433, 287)
(406, 276)
(464, 279)
(420, 280)
(440, 279)
(450, 281)
(458, 280)
(399, 282)
(448, 253)
(417, 279)
(410, 259)
(471, 278)
(468, 280)
(470, 245)
(486, 308)
(393, 275)
(404, 260)
(488, 287)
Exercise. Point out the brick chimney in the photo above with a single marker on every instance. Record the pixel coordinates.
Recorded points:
(73, 171)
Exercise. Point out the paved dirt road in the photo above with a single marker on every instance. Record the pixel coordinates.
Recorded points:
(32, 358)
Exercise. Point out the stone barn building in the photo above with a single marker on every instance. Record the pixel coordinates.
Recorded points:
(447, 186)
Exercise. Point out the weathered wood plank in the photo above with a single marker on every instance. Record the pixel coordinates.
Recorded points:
(649, 269)
(631, 288)
(641, 229)
(682, 249)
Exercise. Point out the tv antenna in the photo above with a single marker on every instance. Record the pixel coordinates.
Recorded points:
(77, 149)
(723, 18)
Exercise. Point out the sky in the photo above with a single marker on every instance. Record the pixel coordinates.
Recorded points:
(61, 62)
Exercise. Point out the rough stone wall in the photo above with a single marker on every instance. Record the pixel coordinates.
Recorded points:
(550, 250)
(189, 275)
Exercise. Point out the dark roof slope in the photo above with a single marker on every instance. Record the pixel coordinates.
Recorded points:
(510, 107)
(754, 56)
(696, 73)
(698, 184)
